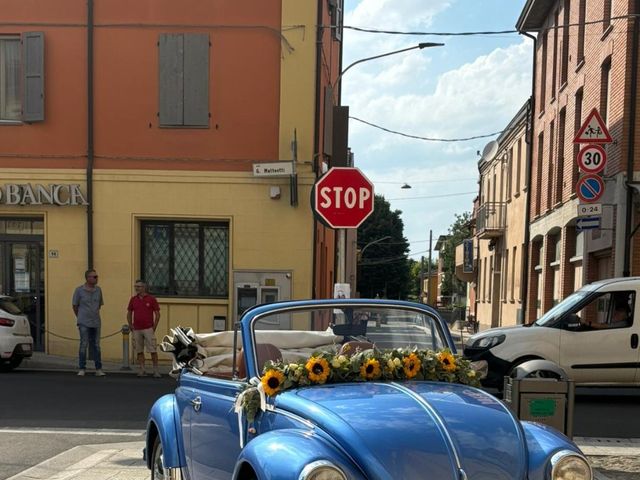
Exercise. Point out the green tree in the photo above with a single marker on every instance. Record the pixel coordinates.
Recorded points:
(383, 267)
(459, 230)
(416, 271)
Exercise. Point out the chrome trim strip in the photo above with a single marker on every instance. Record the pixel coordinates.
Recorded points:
(295, 417)
(436, 417)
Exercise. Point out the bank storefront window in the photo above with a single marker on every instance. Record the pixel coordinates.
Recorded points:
(186, 259)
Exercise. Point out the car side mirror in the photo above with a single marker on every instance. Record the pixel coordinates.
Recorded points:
(572, 322)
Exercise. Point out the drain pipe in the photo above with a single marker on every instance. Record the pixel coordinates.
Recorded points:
(524, 282)
(626, 271)
(89, 172)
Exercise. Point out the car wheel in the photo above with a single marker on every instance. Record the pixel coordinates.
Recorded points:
(8, 365)
(158, 472)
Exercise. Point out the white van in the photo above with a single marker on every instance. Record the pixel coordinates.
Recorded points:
(592, 334)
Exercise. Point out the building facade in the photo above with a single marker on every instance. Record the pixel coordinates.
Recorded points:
(134, 138)
(500, 227)
(584, 59)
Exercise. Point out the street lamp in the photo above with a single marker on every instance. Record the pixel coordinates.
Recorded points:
(341, 241)
(362, 60)
(361, 252)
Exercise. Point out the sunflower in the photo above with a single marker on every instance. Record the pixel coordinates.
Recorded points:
(370, 370)
(272, 381)
(447, 361)
(412, 365)
(318, 369)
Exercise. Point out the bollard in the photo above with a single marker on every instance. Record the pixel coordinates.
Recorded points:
(125, 347)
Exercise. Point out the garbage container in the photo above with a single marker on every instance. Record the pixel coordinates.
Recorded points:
(540, 391)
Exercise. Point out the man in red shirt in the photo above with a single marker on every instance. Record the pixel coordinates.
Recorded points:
(143, 315)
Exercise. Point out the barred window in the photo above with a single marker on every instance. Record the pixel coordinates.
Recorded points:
(186, 259)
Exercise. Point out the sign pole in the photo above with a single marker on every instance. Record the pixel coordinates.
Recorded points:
(341, 255)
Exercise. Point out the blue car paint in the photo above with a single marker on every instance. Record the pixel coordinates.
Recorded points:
(387, 430)
(377, 431)
(282, 454)
(542, 442)
(165, 418)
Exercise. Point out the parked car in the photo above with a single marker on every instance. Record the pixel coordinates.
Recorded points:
(318, 390)
(592, 334)
(16, 341)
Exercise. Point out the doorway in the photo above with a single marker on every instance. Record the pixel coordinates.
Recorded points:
(22, 272)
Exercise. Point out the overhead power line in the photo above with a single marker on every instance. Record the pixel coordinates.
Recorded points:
(436, 196)
(428, 139)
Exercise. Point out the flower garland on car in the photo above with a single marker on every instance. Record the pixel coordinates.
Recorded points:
(358, 366)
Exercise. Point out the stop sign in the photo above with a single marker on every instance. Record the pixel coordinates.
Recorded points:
(343, 198)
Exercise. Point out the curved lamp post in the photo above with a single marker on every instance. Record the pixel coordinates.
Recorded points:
(341, 247)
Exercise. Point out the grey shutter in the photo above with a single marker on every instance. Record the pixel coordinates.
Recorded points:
(33, 76)
(196, 80)
(171, 89)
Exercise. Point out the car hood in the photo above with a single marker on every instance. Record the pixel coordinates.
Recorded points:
(416, 429)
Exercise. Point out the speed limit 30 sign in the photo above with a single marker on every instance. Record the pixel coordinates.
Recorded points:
(592, 159)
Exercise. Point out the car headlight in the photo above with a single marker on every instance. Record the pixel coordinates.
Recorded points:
(322, 470)
(568, 465)
(488, 342)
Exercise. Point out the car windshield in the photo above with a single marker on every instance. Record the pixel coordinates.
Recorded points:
(8, 306)
(295, 335)
(563, 307)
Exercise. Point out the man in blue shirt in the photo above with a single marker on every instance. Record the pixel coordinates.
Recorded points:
(87, 300)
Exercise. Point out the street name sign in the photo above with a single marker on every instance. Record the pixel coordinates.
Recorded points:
(272, 169)
(592, 159)
(343, 197)
(585, 210)
(590, 188)
(587, 223)
(593, 130)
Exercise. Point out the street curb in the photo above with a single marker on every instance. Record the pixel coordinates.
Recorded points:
(619, 447)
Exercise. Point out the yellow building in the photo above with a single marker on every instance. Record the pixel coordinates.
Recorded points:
(186, 159)
(500, 227)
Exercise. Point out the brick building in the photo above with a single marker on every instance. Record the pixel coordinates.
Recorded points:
(585, 58)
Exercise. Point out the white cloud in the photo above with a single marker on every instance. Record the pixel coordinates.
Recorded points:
(395, 14)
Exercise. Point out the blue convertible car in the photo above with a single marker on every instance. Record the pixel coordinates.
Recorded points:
(337, 390)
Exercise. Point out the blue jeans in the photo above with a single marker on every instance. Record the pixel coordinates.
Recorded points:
(89, 337)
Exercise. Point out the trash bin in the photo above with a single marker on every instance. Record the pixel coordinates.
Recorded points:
(540, 391)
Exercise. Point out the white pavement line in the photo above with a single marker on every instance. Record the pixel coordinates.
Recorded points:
(78, 431)
(109, 460)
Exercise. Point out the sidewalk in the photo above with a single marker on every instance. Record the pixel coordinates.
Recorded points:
(44, 362)
(612, 460)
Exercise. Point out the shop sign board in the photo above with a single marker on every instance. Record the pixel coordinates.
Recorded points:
(590, 188)
(343, 198)
(592, 159)
(593, 130)
(37, 194)
(467, 250)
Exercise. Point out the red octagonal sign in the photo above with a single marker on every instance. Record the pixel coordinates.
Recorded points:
(343, 198)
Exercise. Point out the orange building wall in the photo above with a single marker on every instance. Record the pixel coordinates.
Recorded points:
(244, 119)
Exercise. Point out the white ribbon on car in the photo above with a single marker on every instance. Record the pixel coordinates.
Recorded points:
(254, 385)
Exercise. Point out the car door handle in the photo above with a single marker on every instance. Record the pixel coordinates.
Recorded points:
(634, 340)
(197, 403)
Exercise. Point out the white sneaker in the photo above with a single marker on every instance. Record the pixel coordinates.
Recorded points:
(100, 373)
(142, 373)
(81, 373)
(156, 375)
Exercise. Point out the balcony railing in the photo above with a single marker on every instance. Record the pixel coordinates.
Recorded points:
(491, 219)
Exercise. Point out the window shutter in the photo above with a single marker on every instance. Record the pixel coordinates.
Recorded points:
(196, 80)
(33, 76)
(171, 81)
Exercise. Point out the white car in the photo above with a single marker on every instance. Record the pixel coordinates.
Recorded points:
(592, 335)
(16, 341)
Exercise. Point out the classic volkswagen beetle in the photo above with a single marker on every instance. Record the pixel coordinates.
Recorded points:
(337, 390)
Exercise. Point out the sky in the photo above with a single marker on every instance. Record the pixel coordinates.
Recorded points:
(474, 85)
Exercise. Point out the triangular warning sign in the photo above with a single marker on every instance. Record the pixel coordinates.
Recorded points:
(593, 130)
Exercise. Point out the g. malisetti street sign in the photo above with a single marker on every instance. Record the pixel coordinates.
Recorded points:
(37, 194)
